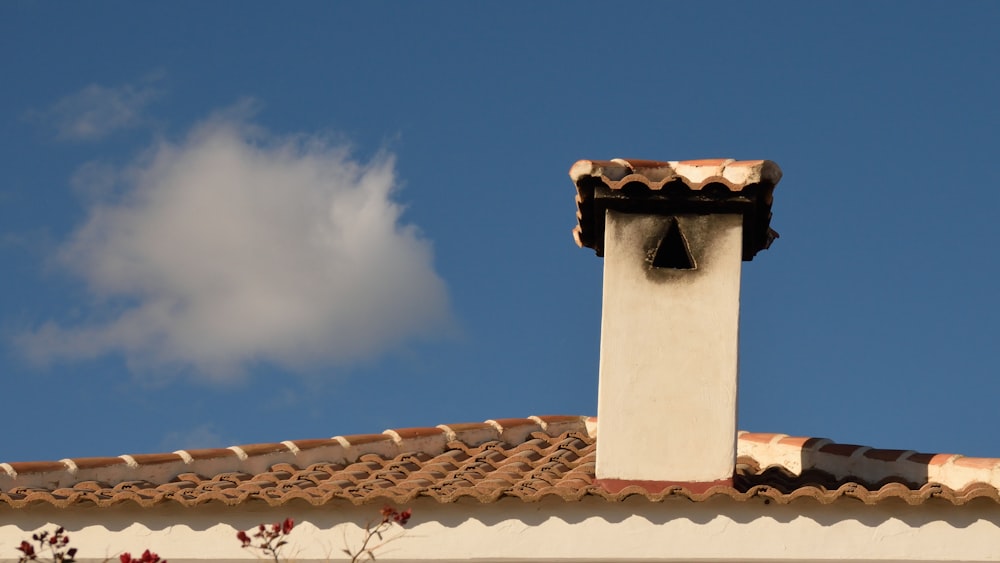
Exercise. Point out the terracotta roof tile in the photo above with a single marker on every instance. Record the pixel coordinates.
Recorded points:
(888, 455)
(212, 453)
(688, 186)
(527, 459)
(151, 459)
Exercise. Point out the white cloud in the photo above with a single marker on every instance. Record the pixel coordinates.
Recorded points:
(235, 247)
(94, 112)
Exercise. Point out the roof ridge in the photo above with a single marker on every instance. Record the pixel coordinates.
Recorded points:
(527, 458)
(256, 458)
(798, 454)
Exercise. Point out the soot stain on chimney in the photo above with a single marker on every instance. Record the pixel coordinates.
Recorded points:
(672, 251)
(694, 233)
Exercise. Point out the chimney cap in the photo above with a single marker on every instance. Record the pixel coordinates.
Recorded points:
(675, 187)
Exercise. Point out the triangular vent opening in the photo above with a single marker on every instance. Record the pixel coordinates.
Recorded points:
(672, 251)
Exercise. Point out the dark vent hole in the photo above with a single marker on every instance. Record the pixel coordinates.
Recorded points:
(672, 251)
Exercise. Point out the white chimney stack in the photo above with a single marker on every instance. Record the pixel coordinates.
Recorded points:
(673, 235)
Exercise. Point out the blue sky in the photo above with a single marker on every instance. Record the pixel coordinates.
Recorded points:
(235, 222)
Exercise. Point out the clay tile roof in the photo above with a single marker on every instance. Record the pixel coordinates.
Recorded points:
(527, 459)
(687, 186)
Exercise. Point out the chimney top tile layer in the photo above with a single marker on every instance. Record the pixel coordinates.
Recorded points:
(671, 187)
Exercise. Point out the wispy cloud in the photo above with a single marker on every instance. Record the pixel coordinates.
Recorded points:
(235, 247)
(96, 111)
(94, 181)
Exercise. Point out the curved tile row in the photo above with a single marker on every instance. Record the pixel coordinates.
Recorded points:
(488, 470)
(799, 455)
(695, 174)
(754, 180)
(529, 459)
(257, 458)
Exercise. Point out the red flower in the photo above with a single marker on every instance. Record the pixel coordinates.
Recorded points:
(403, 517)
(27, 549)
(387, 513)
(243, 537)
(287, 525)
(147, 557)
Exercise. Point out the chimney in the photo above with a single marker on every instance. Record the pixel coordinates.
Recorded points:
(672, 235)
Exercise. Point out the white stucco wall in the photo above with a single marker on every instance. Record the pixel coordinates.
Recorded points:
(552, 530)
(669, 343)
